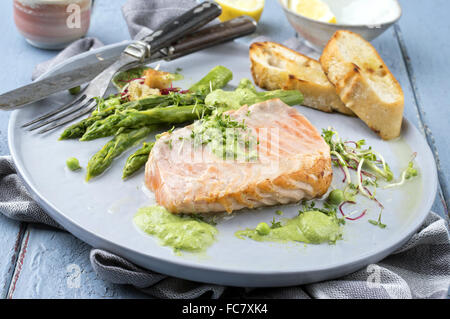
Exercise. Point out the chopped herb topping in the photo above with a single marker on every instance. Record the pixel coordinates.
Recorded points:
(169, 143)
(228, 138)
(275, 224)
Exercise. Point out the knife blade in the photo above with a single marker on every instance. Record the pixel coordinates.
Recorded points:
(205, 38)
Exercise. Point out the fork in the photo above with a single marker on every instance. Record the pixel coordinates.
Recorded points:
(134, 54)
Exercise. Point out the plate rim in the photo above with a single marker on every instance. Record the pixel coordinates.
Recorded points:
(98, 241)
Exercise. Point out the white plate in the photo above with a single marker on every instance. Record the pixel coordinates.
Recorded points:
(100, 212)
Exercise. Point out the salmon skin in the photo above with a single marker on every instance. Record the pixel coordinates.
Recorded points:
(293, 163)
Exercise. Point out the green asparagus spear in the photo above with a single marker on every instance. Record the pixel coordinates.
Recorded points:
(217, 78)
(136, 119)
(226, 100)
(120, 143)
(222, 100)
(290, 97)
(137, 160)
(105, 107)
(78, 129)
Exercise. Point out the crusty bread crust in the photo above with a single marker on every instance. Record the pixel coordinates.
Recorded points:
(364, 82)
(275, 66)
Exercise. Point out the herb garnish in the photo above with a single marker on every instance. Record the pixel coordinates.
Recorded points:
(275, 224)
(408, 173)
(229, 139)
(169, 143)
(327, 209)
(378, 222)
(370, 166)
(357, 158)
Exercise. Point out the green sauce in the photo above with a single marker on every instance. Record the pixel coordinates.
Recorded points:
(246, 94)
(122, 78)
(177, 231)
(231, 99)
(309, 227)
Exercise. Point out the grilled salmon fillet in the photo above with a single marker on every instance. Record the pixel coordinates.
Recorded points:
(292, 163)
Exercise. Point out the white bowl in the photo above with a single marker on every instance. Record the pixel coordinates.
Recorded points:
(368, 18)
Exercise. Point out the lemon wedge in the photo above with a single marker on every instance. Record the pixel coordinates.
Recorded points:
(313, 9)
(235, 8)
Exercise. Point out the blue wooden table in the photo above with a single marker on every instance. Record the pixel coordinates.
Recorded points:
(39, 262)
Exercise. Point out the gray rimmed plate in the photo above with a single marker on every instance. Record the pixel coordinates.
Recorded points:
(100, 212)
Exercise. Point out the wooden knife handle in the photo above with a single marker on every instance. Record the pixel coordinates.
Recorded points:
(211, 36)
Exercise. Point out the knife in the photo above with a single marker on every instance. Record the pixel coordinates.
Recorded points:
(205, 38)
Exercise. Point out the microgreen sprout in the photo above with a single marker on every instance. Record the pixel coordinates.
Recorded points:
(408, 173)
(361, 188)
(378, 222)
(350, 155)
(369, 166)
(348, 216)
(344, 166)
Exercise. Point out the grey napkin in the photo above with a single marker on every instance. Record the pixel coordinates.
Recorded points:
(75, 48)
(421, 269)
(143, 16)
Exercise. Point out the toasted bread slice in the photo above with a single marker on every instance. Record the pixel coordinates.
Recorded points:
(364, 83)
(274, 66)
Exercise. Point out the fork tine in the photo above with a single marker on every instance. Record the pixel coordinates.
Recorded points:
(68, 119)
(61, 115)
(78, 99)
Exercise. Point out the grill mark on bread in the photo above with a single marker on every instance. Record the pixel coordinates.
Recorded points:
(274, 66)
(364, 83)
